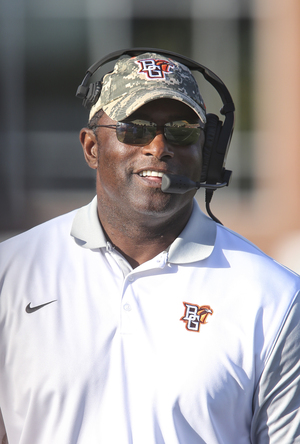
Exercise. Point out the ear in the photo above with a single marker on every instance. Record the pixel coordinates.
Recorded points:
(90, 147)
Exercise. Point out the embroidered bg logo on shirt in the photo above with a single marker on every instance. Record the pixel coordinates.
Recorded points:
(195, 315)
(155, 68)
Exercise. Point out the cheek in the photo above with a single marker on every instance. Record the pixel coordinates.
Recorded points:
(109, 153)
(196, 154)
(112, 165)
(192, 162)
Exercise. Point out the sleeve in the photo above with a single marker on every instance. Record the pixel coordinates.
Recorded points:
(3, 437)
(276, 403)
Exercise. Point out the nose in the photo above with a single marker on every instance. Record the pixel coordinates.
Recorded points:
(158, 147)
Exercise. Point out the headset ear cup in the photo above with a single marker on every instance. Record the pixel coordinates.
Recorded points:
(212, 131)
(93, 94)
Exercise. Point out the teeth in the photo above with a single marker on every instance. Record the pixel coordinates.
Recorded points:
(150, 173)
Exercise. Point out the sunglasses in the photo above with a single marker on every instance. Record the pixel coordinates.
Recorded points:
(142, 132)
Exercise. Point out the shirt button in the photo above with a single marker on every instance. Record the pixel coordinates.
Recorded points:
(127, 307)
(131, 278)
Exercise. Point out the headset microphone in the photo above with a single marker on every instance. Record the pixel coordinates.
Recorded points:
(175, 184)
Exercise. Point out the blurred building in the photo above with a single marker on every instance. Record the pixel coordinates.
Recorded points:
(253, 46)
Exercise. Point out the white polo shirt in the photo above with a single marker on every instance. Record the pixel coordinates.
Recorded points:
(201, 344)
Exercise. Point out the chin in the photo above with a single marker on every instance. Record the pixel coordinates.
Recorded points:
(164, 203)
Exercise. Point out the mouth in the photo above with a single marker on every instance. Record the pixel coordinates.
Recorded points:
(149, 173)
(151, 177)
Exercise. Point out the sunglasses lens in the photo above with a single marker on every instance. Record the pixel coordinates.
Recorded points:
(181, 133)
(142, 132)
(135, 134)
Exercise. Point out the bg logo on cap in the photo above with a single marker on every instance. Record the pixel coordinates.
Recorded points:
(155, 68)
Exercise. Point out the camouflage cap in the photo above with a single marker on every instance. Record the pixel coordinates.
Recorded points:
(138, 80)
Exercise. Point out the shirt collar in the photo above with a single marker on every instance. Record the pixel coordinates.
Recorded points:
(86, 228)
(195, 242)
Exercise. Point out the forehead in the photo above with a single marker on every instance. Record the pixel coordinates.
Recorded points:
(165, 110)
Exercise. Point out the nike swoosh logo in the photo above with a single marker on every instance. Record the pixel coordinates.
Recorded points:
(30, 309)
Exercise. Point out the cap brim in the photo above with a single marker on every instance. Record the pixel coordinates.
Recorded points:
(122, 107)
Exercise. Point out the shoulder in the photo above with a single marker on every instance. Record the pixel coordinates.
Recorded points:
(44, 229)
(37, 241)
(246, 256)
(230, 239)
(254, 281)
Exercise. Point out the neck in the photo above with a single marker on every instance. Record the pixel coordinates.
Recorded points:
(140, 239)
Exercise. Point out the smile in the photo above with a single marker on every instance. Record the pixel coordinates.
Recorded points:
(149, 173)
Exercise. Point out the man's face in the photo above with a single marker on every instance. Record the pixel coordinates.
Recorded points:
(121, 182)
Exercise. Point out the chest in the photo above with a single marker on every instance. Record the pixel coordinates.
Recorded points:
(162, 325)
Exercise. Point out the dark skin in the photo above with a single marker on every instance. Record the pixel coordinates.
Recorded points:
(137, 217)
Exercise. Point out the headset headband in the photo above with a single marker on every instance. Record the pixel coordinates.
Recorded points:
(211, 77)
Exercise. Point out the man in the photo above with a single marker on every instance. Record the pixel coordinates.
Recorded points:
(138, 319)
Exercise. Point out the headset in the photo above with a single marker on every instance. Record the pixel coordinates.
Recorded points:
(218, 133)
